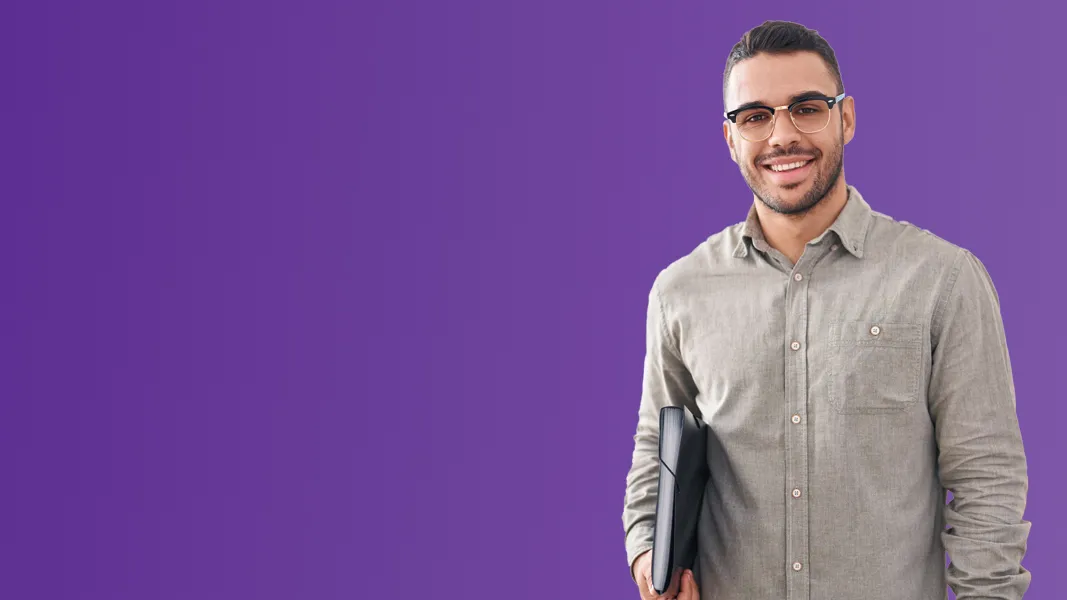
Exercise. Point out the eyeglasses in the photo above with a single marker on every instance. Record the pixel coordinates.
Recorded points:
(810, 114)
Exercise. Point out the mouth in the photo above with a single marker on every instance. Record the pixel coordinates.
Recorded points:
(790, 172)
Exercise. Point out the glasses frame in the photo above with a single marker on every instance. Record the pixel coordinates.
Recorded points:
(830, 101)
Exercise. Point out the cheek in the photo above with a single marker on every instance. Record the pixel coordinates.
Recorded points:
(825, 144)
(747, 155)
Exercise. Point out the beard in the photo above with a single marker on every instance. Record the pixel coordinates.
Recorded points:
(825, 179)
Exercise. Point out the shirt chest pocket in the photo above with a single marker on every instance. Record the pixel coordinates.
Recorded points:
(874, 368)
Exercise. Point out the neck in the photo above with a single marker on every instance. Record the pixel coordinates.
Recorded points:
(790, 233)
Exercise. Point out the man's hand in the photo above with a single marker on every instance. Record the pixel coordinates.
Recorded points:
(681, 579)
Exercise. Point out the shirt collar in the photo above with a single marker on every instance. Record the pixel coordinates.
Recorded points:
(850, 226)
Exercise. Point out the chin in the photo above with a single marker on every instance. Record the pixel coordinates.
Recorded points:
(792, 192)
(789, 200)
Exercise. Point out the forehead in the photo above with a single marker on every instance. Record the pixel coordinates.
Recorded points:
(774, 78)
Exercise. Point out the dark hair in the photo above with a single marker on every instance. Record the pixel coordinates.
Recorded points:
(781, 37)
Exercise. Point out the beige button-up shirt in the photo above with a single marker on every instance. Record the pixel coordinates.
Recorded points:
(844, 395)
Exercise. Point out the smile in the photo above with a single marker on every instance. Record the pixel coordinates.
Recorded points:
(787, 166)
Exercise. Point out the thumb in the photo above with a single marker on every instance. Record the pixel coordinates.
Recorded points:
(649, 587)
(689, 587)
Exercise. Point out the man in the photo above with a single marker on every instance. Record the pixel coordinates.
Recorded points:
(851, 368)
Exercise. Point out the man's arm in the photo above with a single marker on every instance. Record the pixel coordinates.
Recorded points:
(666, 382)
(981, 458)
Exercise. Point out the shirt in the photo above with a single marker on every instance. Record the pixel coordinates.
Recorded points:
(843, 396)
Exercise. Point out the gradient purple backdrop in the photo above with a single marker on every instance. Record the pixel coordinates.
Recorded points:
(346, 300)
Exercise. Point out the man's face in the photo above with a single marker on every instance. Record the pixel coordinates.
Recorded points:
(773, 80)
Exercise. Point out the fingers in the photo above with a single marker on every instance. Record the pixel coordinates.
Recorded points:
(682, 586)
(648, 592)
(690, 591)
(675, 585)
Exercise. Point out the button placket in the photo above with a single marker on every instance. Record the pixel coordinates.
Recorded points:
(797, 533)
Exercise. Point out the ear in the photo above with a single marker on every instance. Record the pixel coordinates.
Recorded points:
(728, 134)
(848, 118)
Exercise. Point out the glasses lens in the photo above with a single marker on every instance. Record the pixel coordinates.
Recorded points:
(812, 116)
(754, 124)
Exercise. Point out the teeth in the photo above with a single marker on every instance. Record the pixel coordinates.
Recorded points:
(788, 167)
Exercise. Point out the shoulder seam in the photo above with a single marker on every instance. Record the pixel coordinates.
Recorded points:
(942, 297)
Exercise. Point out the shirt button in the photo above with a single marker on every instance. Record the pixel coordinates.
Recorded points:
(798, 277)
(834, 247)
(795, 345)
(796, 492)
(797, 566)
(875, 330)
(796, 418)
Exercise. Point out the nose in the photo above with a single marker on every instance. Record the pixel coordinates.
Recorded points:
(785, 132)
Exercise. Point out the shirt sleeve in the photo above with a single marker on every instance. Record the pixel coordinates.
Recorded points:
(981, 457)
(665, 382)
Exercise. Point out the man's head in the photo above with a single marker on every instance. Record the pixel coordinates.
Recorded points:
(778, 64)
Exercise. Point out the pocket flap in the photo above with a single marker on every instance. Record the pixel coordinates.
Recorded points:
(875, 333)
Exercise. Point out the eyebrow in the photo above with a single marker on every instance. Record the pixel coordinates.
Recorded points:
(794, 98)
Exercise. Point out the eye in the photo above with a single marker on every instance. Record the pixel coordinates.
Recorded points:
(809, 108)
(753, 117)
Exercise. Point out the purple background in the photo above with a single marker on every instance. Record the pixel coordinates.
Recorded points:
(344, 300)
